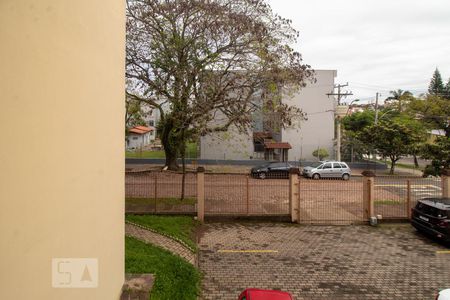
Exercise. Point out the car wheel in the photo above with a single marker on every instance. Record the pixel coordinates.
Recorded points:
(262, 175)
(345, 177)
(316, 176)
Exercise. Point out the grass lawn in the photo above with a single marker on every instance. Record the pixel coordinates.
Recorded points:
(181, 227)
(145, 154)
(191, 152)
(389, 202)
(175, 278)
(159, 201)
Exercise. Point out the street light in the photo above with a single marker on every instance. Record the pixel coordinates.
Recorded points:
(350, 105)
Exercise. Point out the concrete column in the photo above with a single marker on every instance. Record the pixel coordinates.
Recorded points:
(201, 194)
(446, 183)
(368, 194)
(294, 195)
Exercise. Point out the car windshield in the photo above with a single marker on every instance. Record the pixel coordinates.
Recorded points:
(315, 165)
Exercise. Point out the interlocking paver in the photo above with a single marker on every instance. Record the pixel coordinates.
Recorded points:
(322, 262)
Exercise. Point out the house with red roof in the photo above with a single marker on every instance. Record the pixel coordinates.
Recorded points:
(140, 136)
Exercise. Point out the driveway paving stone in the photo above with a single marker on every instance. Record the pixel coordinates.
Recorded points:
(322, 262)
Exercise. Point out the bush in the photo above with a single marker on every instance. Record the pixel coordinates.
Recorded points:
(320, 153)
(432, 170)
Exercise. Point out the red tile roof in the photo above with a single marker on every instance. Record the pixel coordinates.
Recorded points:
(282, 145)
(141, 129)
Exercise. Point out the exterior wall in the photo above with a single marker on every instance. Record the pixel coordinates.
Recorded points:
(227, 145)
(142, 139)
(151, 117)
(61, 187)
(318, 130)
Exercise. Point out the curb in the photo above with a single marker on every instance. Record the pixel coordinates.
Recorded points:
(163, 234)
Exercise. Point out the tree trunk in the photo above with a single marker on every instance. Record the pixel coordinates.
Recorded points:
(170, 149)
(171, 161)
(416, 162)
(393, 161)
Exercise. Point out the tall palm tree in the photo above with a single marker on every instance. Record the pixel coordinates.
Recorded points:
(399, 95)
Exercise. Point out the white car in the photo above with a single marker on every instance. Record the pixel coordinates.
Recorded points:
(327, 169)
(443, 295)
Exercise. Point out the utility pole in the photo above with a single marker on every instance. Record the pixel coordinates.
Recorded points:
(376, 109)
(339, 95)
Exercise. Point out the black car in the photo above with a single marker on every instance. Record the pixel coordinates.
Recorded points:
(432, 216)
(272, 170)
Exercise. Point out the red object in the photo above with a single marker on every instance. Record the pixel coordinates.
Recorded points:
(272, 145)
(257, 294)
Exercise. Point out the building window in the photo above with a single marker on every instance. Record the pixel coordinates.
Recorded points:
(135, 137)
(151, 123)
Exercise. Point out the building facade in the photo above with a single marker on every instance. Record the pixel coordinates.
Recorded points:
(294, 143)
(62, 187)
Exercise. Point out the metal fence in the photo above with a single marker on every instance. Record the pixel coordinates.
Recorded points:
(331, 201)
(324, 201)
(240, 194)
(158, 192)
(395, 196)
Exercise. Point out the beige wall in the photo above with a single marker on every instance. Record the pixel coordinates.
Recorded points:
(61, 155)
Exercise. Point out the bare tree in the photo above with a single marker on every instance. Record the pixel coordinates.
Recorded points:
(194, 60)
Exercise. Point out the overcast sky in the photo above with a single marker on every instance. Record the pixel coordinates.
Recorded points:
(375, 45)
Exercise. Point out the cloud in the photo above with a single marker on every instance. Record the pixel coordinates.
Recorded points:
(379, 44)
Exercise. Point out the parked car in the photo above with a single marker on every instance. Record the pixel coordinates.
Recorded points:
(257, 294)
(272, 170)
(327, 169)
(432, 216)
(443, 295)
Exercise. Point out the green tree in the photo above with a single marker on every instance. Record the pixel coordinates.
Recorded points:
(134, 114)
(391, 139)
(320, 153)
(433, 111)
(439, 153)
(359, 120)
(399, 97)
(353, 125)
(202, 60)
(447, 90)
(436, 86)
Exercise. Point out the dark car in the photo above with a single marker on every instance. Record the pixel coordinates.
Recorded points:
(272, 170)
(432, 216)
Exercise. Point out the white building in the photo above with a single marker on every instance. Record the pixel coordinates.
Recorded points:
(317, 131)
(140, 136)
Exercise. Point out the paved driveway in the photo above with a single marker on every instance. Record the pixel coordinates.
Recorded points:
(322, 262)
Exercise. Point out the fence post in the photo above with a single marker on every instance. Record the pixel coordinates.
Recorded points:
(156, 190)
(445, 183)
(408, 199)
(294, 194)
(248, 194)
(201, 194)
(368, 194)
